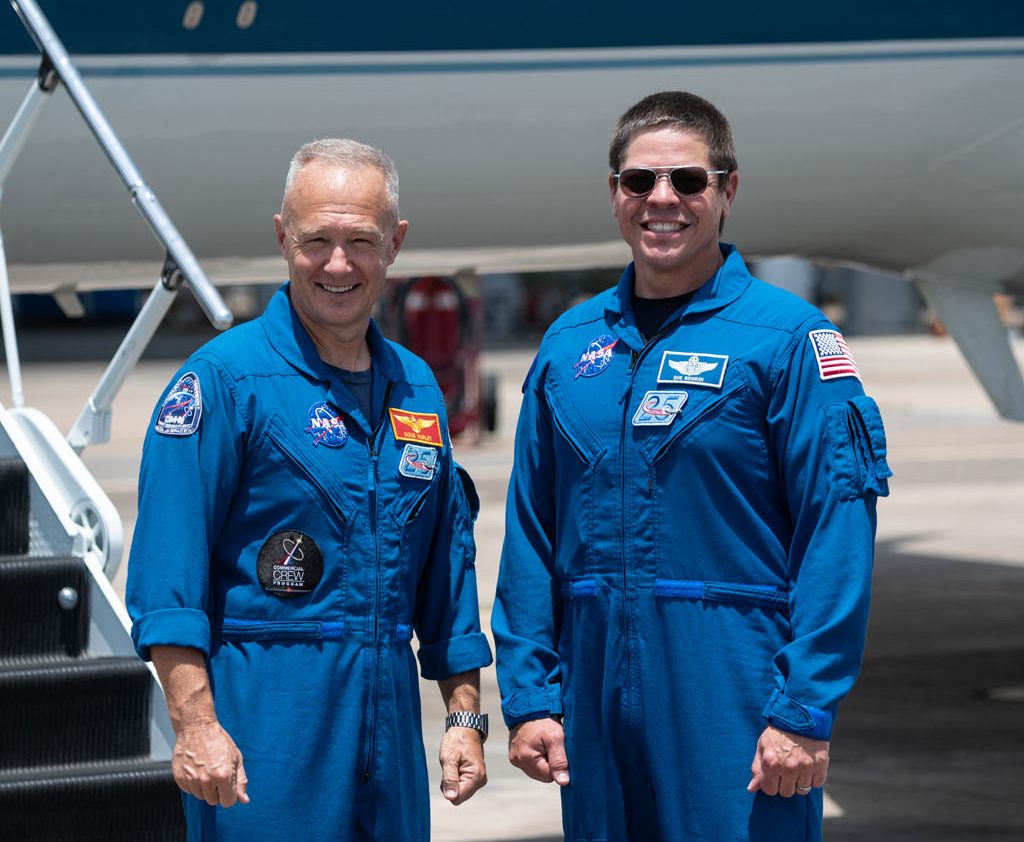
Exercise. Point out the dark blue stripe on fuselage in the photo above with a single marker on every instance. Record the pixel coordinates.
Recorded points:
(499, 66)
(134, 27)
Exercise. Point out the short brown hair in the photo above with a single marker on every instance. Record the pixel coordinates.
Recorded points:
(680, 110)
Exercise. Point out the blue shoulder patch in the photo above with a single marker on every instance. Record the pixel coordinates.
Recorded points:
(182, 408)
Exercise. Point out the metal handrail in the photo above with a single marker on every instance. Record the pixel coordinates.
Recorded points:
(142, 196)
(180, 265)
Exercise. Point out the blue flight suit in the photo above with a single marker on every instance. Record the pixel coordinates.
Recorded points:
(688, 554)
(300, 544)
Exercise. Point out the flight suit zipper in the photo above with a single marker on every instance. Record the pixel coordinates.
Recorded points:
(374, 515)
(627, 602)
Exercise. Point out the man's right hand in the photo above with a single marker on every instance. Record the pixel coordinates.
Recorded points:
(538, 748)
(207, 764)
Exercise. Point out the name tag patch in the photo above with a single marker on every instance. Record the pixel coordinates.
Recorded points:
(326, 425)
(182, 408)
(418, 462)
(596, 357)
(659, 409)
(290, 564)
(418, 427)
(693, 369)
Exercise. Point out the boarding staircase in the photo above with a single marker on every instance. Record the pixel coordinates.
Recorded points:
(76, 757)
(85, 741)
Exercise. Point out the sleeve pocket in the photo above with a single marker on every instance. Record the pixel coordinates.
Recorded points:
(857, 451)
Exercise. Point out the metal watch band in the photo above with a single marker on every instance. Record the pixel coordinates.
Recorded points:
(467, 719)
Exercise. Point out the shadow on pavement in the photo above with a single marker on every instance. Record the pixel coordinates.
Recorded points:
(920, 752)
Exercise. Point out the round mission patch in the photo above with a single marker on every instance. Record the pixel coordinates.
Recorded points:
(290, 564)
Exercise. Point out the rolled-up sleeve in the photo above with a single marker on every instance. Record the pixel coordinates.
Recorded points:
(186, 483)
(447, 616)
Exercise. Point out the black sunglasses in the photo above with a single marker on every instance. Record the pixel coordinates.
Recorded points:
(691, 180)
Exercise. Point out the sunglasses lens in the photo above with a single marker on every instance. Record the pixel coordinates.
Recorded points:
(637, 182)
(689, 181)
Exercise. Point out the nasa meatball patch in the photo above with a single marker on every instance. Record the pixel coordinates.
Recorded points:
(326, 425)
(596, 357)
(290, 564)
(182, 408)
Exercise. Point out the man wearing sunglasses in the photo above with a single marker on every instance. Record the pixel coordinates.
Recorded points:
(685, 579)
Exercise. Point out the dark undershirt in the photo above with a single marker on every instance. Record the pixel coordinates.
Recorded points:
(360, 384)
(651, 312)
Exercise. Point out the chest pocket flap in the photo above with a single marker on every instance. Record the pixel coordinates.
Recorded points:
(571, 422)
(322, 466)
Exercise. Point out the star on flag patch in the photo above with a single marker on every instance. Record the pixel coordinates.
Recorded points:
(833, 356)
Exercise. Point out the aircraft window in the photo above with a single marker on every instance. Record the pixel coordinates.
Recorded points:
(193, 15)
(246, 14)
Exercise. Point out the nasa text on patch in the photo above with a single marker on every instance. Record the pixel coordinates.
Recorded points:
(659, 409)
(182, 408)
(596, 357)
(418, 462)
(419, 427)
(693, 369)
(326, 425)
(834, 358)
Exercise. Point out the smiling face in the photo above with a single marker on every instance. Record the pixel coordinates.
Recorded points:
(674, 239)
(338, 236)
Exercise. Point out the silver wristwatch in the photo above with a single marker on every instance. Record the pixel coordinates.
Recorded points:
(467, 719)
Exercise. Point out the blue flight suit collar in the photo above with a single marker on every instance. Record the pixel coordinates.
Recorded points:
(290, 339)
(724, 287)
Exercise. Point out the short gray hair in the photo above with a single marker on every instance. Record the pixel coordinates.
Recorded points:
(343, 152)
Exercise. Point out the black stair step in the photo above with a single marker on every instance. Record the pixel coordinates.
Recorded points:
(44, 603)
(13, 507)
(73, 711)
(133, 801)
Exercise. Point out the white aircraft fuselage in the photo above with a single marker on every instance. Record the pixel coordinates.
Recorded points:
(854, 143)
(866, 134)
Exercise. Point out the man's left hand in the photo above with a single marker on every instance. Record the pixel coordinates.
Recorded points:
(463, 771)
(786, 764)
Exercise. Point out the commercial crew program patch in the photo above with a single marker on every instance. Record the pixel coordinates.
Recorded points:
(693, 369)
(289, 564)
(834, 358)
(659, 409)
(418, 462)
(417, 427)
(596, 357)
(326, 425)
(182, 408)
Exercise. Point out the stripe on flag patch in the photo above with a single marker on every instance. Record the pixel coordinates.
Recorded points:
(834, 359)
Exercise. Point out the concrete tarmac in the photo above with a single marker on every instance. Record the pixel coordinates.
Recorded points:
(929, 746)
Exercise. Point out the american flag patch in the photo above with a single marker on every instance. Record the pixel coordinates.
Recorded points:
(834, 359)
